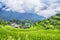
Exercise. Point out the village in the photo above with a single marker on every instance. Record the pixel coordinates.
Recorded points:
(21, 24)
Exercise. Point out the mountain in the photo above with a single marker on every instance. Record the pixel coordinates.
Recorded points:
(7, 15)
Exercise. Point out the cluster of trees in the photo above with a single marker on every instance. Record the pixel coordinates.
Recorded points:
(25, 23)
(50, 23)
(2, 22)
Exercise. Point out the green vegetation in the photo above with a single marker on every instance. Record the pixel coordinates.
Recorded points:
(51, 23)
(48, 29)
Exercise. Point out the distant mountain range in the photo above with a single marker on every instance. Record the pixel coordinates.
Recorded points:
(7, 15)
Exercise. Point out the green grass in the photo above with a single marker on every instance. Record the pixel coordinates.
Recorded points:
(10, 33)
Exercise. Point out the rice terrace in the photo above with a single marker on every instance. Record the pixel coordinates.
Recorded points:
(29, 20)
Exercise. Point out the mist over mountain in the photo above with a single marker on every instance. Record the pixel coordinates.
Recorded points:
(8, 15)
(28, 9)
(46, 8)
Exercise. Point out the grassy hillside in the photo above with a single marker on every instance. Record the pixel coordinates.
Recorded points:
(51, 23)
(48, 29)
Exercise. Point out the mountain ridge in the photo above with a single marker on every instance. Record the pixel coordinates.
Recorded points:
(7, 15)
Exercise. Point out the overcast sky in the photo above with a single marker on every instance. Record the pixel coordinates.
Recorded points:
(45, 8)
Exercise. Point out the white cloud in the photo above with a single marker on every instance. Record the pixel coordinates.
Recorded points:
(47, 13)
(49, 6)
